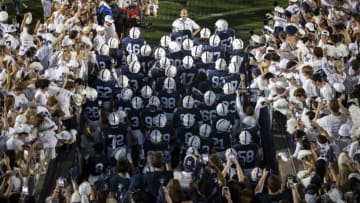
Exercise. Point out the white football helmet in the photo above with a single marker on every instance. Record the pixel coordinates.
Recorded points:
(154, 101)
(104, 50)
(233, 68)
(174, 47)
(205, 130)
(160, 120)
(164, 63)
(120, 153)
(237, 60)
(206, 57)
(130, 58)
(134, 67)
(113, 43)
(188, 120)
(91, 94)
(229, 152)
(126, 94)
(155, 136)
(194, 141)
(113, 119)
(196, 51)
(223, 125)
(134, 33)
(123, 81)
(145, 50)
(171, 71)
(159, 53)
(245, 137)
(222, 109)
(221, 25)
(237, 44)
(220, 64)
(137, 102)
(188, 102)
(165, 41)
(187, 44)
(188, 62)
(228, 88)
(146, 92)
(104, 75)
(169, 83)
(214, 40)
(256, 174)
(209, 97)
(122, 116)
(192, 151)
(205, 33)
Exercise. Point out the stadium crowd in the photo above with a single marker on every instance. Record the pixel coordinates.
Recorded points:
(179, 122)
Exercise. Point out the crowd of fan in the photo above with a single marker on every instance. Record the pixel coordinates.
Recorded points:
(180, 121)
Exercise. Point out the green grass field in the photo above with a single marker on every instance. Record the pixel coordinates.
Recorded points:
(242, 15)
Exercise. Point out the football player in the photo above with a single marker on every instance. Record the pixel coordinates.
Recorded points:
(133, 42)
(226, 34)
(216, 77)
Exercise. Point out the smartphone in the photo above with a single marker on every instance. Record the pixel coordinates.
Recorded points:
(25, 190)
(61, 182)
(224, 190)
(205, 157)
(26, 154)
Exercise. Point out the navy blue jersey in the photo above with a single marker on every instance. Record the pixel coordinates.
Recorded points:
(115, 137)
(217, 52)
(184, 134)
(103, 61)
(197, 95)
(119, 54)
(168, 101)
(208, 113)
(187, 76)
(246, 155)
(116, 93)
(147, 116)
(202, 42)
(133, 46)
(135, 118)
(222, 141)
(146, 63)
(244, 56)
(151, 147)
(216, 79)
(226, 37)
(180, 36)
(230, 101)
(176, 58)
(204, 67)
(206, 145)
(104, 89)
(180, 112)
(120, 105)
(135, 80)
(167, 134)
(91, 109)
(234, 79)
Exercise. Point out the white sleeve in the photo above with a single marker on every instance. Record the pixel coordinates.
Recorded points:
(194, 25)
(239, 108)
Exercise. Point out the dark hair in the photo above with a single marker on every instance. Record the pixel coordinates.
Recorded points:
(318, 52)
(317, 77)
(322, 139)
(157, 160)
(42, 83)
(206, 185)
(320, 168)
(274, 183)
(300, 92)
(123, 165)
(334, 105)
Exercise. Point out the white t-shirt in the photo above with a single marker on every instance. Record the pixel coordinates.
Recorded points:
(327, 92)
(41, 97)
(189, 24)
(331, 124)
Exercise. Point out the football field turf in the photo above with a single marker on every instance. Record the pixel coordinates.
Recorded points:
(242, 15)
